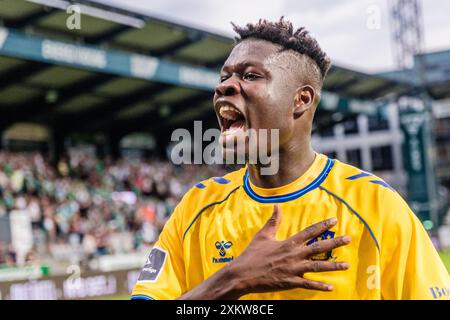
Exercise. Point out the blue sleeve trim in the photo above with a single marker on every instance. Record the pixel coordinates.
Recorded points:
(141, 297)
(206, 207)
(354, 212)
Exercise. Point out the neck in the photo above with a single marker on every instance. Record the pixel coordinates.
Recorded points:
(293, 163)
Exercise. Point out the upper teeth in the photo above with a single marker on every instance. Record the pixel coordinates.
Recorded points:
(229, 113)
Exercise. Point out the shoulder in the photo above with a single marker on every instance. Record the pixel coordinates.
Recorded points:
(206, 193)
(351, 182)
(376, 203)
(214, 188)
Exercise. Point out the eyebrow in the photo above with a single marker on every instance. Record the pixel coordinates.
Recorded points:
(244, 64)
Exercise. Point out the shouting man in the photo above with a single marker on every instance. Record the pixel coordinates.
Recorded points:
(316, 229)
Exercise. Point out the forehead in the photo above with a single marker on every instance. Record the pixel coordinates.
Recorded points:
(251, 51)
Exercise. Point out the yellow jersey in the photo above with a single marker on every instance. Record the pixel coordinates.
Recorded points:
(390, 255)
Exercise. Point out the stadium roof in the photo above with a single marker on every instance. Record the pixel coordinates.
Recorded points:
(123, 72)
(436, 75)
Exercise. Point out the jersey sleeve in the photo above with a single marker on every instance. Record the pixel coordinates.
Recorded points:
(163, 275)
(411, 268)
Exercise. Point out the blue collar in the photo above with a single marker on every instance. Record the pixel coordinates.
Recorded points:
(290, 196)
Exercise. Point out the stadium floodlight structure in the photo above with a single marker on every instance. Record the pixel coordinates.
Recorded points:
(407, 34)
(407, 40)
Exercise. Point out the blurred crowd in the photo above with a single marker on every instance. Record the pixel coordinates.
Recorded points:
(97, 207)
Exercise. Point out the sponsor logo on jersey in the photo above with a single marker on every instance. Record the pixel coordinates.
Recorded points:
(440, 292)
(222, 247)
(153, 266)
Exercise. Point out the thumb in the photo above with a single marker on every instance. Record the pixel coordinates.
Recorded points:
(270, 228)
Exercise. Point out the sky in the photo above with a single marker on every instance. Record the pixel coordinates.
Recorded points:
(354, 33)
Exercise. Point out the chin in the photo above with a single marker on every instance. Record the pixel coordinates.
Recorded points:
(236, 154)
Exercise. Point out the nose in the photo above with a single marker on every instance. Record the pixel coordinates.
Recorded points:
(229, 87)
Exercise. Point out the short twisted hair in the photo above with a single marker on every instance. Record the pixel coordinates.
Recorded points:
(282, 33)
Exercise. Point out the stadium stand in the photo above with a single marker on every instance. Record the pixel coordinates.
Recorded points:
(114, 74)
(85, 207)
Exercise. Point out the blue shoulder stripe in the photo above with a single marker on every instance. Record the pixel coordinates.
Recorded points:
(354, 212)
(382, 183)
(359, 175)
(206, 207)
(200, 185)
(221, 180)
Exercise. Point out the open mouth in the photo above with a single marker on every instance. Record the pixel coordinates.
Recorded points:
(231, 118)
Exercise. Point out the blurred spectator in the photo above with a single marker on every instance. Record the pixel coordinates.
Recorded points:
(99, 207)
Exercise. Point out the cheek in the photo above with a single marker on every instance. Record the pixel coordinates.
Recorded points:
(269, 108)
(274, 111)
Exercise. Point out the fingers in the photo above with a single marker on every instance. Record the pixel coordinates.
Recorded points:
(313, 285)
(319, 266)
(324, 266)
(325, 246)
(315, 266)
(271, 226)
(312, 231)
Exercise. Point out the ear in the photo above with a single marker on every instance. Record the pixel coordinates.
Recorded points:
(304, 100)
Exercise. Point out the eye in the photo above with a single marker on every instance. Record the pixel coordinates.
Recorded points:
(223, 78)
(251, 76)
